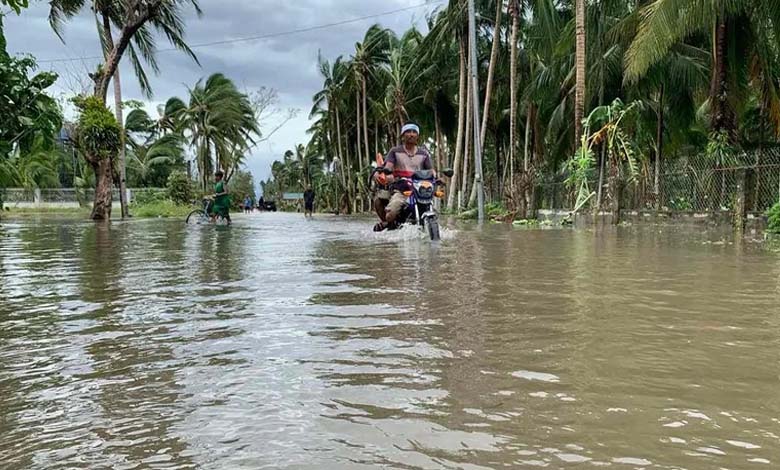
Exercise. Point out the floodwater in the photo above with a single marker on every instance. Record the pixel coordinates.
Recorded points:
(284, 343)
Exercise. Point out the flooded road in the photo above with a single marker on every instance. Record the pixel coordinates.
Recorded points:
(284, 343)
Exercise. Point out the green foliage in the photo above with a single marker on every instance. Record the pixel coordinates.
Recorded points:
(29, 119)
(774, 218)
(180, 188)
(220, 123)
(241, 185)
(16, 5)
(720, 149)
(98, 132)
(526, 223)
(153, 152)
(680, 204)
(580, 170)
(164, 19)
(150, 196)
(26, 111)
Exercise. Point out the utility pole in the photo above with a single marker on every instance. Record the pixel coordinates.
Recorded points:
(477, 120)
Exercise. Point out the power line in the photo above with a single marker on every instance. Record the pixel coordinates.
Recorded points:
(266, 36)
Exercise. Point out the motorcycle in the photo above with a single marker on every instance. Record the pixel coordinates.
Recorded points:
(420, 191)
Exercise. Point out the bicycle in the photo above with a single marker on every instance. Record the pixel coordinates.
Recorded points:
(203, 216)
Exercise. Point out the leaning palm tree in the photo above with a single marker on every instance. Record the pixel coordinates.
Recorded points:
(220, 123)
(135, 22)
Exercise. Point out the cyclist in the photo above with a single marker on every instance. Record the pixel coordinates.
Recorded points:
(221, 204)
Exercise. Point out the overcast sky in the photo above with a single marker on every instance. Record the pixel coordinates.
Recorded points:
(286, 63)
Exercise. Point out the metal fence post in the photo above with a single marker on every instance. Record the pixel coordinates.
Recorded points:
(740, 206)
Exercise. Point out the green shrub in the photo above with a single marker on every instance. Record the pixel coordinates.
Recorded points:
(180, 188)
(774, 218)
(149, 196)
(680, 204)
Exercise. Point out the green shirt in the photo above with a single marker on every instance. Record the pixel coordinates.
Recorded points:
(221, 202)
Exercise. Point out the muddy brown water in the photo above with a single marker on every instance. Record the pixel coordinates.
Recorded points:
(285, 343)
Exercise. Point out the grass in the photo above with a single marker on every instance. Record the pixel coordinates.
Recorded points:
(157, 209)
(13, 212)
(153, 209)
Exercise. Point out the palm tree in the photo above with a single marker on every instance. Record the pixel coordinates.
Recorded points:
(369, 54)
(491, 69)
(403, 76)
(743, 44)
(447, 31)
(514, 12)
(149, 151)
(135, 22)
(221, 125)
(327, 104)
(579, 101)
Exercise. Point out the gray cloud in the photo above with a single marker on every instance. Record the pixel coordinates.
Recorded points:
(286, 63)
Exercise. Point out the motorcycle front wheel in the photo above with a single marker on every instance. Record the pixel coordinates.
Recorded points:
(432, 224)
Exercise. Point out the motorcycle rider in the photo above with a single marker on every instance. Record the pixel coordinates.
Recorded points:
(403, 160)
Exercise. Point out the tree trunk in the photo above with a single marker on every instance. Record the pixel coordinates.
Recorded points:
(579, 100)
(613, 189)
(439, 146)
(602, 164)
(338, 133)
(513, 91)
(342, 156)
(109, 40)
(117, 50)
(461, 124)
(365, 124)
(659, 142)
(468, 141)
(526, 159)
(757, 169)
(207, 164)
(499, 165)
(722, 116)
(101, 209)
(357, 127)
(122, 163)
(491, 71)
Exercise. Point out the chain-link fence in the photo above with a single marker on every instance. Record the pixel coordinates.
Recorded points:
(684, 184)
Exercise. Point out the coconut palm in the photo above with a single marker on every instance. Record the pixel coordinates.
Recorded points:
(369, 55)
(152, 155)
(742, 37)
(136, 24)
(220, 123)
(579, 101)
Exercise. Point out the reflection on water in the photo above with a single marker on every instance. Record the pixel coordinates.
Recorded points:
(284, 343)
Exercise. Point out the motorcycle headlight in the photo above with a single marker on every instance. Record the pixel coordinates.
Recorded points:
(425, 190)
